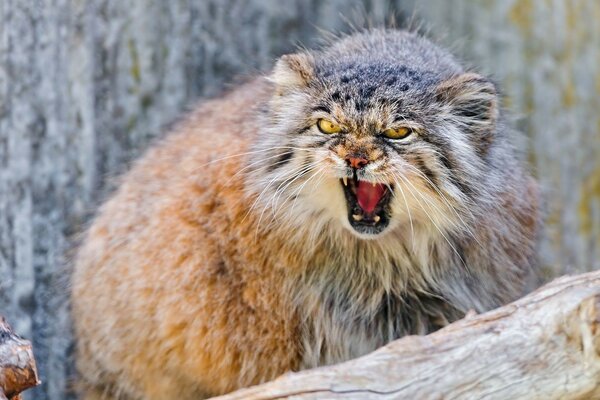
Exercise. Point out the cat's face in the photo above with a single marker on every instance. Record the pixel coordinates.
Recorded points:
(374, 146)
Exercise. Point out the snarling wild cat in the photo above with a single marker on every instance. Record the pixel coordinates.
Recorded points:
(358, 193)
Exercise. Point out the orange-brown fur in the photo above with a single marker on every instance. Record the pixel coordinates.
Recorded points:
(165, 324)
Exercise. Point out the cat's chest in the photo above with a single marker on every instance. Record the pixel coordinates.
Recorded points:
(335, 330)
(352, 312)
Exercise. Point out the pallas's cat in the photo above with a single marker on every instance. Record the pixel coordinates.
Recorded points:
(358, 193)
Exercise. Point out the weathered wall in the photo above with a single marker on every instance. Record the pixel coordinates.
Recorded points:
(86, 84)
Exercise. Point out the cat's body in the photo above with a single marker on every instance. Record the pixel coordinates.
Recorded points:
(229, 254)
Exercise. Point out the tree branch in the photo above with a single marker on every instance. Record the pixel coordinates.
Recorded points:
(544, 346)
(17, 365)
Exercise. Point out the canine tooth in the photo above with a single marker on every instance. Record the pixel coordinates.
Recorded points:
(357, 217)
(373, 183)
(345, 181)
(376, 218)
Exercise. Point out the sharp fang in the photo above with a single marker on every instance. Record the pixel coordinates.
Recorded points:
(376, 218)
(345, 181)
(373, 183)
(357, 217)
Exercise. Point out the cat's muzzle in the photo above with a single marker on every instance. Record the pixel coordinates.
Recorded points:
(368, 204)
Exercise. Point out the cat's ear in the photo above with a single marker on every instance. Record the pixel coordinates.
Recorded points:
(470, 100)
(293, 71)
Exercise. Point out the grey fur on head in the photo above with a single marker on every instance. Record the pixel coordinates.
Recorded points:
(462, 217)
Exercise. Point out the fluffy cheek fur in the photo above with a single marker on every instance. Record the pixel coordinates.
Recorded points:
(316, 200)
(414, 201)
(326, 197)
(417, 201)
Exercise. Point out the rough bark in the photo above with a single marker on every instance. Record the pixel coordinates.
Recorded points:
(17, 365)
(544, 346)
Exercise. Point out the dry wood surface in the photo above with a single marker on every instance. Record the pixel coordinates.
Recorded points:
(17, 365)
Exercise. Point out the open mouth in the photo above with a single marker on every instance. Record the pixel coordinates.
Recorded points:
(368, 205)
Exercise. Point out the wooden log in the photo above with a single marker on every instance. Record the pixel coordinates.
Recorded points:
(544, 346)
(17, 365)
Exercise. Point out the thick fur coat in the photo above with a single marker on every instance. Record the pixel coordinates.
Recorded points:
(236, 249)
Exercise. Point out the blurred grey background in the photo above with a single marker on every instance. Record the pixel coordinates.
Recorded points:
(85, 85)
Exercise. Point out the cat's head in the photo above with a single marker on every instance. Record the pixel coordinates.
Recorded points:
(379, 130)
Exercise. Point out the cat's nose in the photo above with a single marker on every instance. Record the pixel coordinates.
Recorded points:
(356, 162)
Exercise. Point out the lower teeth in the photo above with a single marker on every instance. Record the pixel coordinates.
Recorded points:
(358, 217)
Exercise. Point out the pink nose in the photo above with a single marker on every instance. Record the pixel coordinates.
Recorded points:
(356, 162)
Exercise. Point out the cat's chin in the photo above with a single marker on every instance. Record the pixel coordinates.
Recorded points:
(369, 227)
(368, 234)
(365, 231)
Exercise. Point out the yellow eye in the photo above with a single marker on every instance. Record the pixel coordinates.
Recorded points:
(398, 133)
(328, 127)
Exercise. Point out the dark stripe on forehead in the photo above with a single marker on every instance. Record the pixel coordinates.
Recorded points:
(368, 91)
(361, 104)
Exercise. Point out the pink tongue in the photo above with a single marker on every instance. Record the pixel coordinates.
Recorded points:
(368, 195)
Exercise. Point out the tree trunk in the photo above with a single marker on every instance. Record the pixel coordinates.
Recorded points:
(17, 366)
(545, 346)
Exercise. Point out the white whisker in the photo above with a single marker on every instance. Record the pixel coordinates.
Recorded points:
(464, 225)
(250, 153)
(431, 219)
(295, 174)
(412, 230)
(299, 174)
